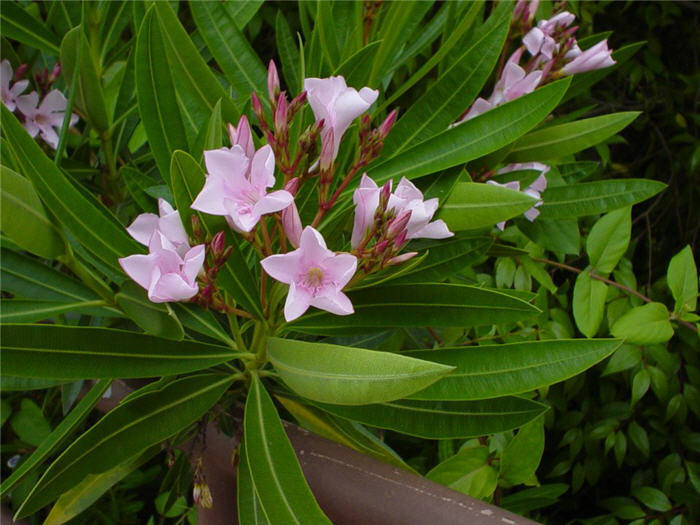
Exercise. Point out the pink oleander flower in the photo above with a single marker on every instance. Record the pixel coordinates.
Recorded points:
(539, 39)
(43, 119)
(596, 57)
(165, 274)
(10, 94)
(236, 186)
(406, 198)
(337, 104)
(533, 190)
(168, 223)
(315, 275)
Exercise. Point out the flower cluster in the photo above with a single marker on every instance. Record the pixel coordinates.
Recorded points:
(40, 118)
(554, 52)
(239, 186)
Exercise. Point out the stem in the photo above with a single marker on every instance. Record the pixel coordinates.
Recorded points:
(325, 206)
(85, 275)
(236, 332)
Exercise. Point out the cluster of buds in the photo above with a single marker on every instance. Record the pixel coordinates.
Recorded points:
(201, 494)
(209, 297)
(524, 14)
(44, 79)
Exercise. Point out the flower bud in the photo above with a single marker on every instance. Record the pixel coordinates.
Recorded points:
(273, 81)
(327, 151)
(386, 126)
(292, 185)
(400, 241)
(399, 224)
(381, 246)
(281, 115)
(56, 71)
(196, 228)
(296, 104)
(291, 222)
(384, 195)
(20, 71)
(401, 258)
(201, 495)
(243, 136)
(257, 108)
(218, 244)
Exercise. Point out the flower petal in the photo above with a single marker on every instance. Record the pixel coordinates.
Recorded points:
(283, 267)
(143, 227)
(272, 202)
(193, 262)
(298, 301)
(340, 268)
(336, 303)
(171, 287)
(139, 268)
(211, 198)
(262, 168)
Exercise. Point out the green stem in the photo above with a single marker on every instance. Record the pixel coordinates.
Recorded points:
(236, 331)
(87, 276)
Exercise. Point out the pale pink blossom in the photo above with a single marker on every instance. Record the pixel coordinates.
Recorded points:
(539, 40)
(315, 275)
(236, 186)
(167, 222)
(533, 190)
(514, 83)
(337, 104)
(165, 274)
(596, 57)
(10, 94)
(48, 115)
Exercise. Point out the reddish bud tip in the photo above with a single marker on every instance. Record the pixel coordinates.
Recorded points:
(400, 241)
(381, 246)
(218, 243)
(292, 185)
(20, 71)
(56, 71)
(281, 114)
(273, 81)
(401, 258)
(386, 126)
(257, 105)
(398, 224)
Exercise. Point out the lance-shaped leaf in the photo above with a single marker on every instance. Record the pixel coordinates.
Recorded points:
(345, 375)
(154, 318)
(30, 310)
(475, 138)
(608, 240)
(407, 305)
(65, 428)
(593, 198)
(69, 352)
(250, 511)
(562, 140)
(589, 303)
(24, 218)
(202, 321)
(443, 419)
(472, 205)
(279, 482)
(484, 372)
(129, 428)
(90, 222)
(682, 279)
(19, 25)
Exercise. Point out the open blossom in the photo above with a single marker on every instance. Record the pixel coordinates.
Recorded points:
(315, 275)
(48, 115)
(406, 199)
(168, 223)
(236, 186)
(10, 94)
(165, 274)
(596, 57)
(337, 104)
(539, 40)
(533, 190)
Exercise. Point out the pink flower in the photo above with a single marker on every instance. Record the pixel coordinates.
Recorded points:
(43, 119)
(10, 94)
(315, 276)
(242, 136)
(539, 40)
(236, 186)
(533, 190)
(514, 83)
(168, 223)
(406, 198)
(596, 57)
(337, 104)
(163, 272)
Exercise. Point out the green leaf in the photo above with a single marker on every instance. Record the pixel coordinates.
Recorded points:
(626, 357)
(417, 305)
(235, 276)
(289, 54)
(90, 222)
(443, 419)
(89, 97)
(522, 455)
(473, 139)
(68, 352)
(29, 423)
(19, 25)
(593, 198)
(202, 321)
(30, 310)
(448, 97)
(589, 303)
(154, 318)
(284, 494)
(129, 428)
(608, 240)
(682, 278)
(468, 472)
(640, 385)
(155, 92)
(562, 140)
(638, 437)
(488, 371)
(92, 487)
(36, 232)
(20, 384)
(345, 375)
(211, 137)
(235, 56)
(652, 498)
(560, 236)
(473, 205)
(644, 325)
(248, 505)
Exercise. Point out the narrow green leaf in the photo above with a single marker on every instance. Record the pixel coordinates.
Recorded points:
(488, 371)
(608, 240)
(127, 429)
(154, 318)
(21, 384)
(652, 498)
(345, 375)
(644, 325)
(289, 54)
(31, 310)
(19, 25)
(279, 482)
(682, 278)
(201, 321)
(444, 419)
(211, 137)
(24, 218)
(90, 222)
(562, 140)
(473, 205)
(589, 303)
(395, 306)
(592, 198)
(249, 509)
(65, 428)
(69, 352)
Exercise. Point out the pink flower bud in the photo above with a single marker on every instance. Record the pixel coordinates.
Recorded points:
(401, 258)
(21, 70)
(399, 224)
(257, 107)
(384, 195)
(386, 126)
(291, 223)
(56, 71)
(218, 244)
(327, 149)
(401, 240)
(292, 186)
(243, 136)
(296, 104)
(381, 246)
(273, 81)
(281, 114)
